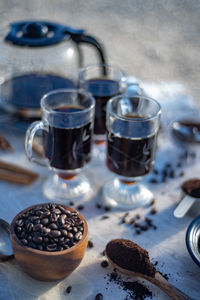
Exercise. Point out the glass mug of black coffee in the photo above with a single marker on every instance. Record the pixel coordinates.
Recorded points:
(67, 127)
(103, 82)
(132, 127)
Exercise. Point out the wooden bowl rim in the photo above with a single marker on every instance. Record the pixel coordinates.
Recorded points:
(49, 253)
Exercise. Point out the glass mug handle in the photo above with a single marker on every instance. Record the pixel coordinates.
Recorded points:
(30, 134)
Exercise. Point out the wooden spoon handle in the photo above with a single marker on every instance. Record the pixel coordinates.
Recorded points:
(168, 288)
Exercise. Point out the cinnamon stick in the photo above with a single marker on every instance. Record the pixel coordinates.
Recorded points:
(4, 144)
(38, 149)
(16, 174)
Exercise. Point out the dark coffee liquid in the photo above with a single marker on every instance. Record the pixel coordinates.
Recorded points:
(102, 90)
(26, 91)
(68, 148)
(130, 157)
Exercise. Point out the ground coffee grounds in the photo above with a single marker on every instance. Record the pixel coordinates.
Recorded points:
(134, 289)
(192, 187)
(128, 255)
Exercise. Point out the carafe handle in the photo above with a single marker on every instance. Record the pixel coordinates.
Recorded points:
(79, 37)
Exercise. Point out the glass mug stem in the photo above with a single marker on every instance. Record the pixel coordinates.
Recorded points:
(29, 138)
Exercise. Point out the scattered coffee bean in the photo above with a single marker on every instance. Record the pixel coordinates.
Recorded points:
(107, 208)
(153, 211)
(90, 244)
(99, 206)
(137, 231)
(104, 264)
(155, 171)
(152, 202)
(104, 217)
(68, 289)
(99, 296)
(144, 227)
(71, 203)
(153, 180)
(138, 216)
(80, 207)
(49, 227)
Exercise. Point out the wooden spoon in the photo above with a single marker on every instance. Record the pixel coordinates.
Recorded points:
(157, 280)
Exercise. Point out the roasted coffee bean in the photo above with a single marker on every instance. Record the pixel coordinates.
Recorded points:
(107, 208)
(25, 242)
(55, 233)
(99, 296)
(104, 217)
(75, 229)
(44, 221)
(61, 240)
(46, 214)
(80, 228)
(104, 264)
(78, 236)
(19, 222)
(57, 211)
(38, 227)
(39, 213)
(153, 211)
(71, 203)
(45, 231)
(29, 238)
(144, 227)
(90, 244)
(64, 232)
(66, 246)
(46, 240)
(29, 227)
(153, 180)
(19, 229)
(34, 218)
(37, 239)
(53, 226)
(51, 247)
(68, 289)
(138, 216)
(70, 235)
(79, 222)
(80, 207)
(99, 206)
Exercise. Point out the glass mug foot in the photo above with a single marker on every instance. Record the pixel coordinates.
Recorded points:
(56, 188)
(126, 195)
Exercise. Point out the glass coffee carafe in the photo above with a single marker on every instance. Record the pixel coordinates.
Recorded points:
(37, 57)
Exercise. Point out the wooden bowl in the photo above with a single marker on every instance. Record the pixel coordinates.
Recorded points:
(44, 265)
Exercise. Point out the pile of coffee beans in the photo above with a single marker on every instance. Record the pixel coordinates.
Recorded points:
(49, 227)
